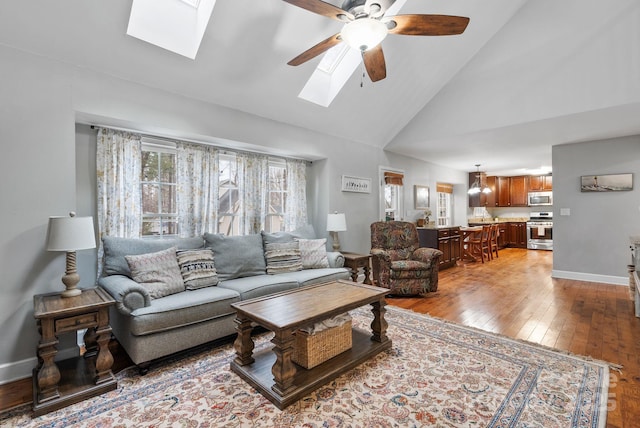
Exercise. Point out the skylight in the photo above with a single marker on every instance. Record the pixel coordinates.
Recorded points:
(175, 25)
(192, 3)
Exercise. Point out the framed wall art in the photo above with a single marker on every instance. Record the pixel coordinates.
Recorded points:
(606, 183)
(356, 184)
(421, 197)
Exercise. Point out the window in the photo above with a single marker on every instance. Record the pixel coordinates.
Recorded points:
(444, 192)
(229, 206)
(277, 196)
(392, 194)
(158, 181)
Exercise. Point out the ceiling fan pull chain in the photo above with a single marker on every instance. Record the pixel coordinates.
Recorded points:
(363, 70)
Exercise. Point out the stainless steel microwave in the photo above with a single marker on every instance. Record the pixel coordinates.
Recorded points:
(540, 198)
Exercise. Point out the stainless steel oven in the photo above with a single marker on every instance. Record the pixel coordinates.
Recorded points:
(540, 231)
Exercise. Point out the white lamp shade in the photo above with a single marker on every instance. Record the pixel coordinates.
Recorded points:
(336, 222)
(70, 234)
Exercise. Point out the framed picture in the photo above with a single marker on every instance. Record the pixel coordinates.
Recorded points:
(606, 183)
(421, 197)
(356, 184)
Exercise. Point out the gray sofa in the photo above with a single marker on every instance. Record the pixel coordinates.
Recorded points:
(149, 328)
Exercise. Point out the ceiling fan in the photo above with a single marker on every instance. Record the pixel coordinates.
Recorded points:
(366, 26)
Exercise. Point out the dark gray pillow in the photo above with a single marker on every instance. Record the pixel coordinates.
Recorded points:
(116, 248)
(237, 256)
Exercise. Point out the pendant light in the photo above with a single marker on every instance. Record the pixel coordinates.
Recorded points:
(476, 187)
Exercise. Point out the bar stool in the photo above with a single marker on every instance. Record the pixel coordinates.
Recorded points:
(493, 239)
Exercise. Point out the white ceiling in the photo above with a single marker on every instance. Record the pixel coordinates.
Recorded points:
(525, 75)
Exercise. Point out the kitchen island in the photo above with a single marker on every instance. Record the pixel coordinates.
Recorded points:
(443, 238)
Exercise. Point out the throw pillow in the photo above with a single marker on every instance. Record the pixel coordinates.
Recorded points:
(197, 268)
(313, 253)
(283, 257)
(237, 256)
(158, 272)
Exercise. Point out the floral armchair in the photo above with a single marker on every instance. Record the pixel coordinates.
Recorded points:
(399, 263)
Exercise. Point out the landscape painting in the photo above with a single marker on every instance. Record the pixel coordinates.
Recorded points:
(606, 183)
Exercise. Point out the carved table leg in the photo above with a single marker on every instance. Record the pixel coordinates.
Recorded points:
(283, 369)
(367, 276)
(379, 324)
(243, 344)
(104, 360)
(48, 372)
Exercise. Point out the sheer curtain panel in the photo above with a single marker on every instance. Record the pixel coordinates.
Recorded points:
(118, 166)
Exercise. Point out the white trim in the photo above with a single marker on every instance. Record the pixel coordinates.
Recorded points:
(16, 370)
(590, 277)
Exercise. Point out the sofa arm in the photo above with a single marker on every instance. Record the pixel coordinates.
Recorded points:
(128, 294)
(336, 259)
(427, 255)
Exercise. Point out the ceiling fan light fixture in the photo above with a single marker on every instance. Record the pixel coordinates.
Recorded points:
(364, 33)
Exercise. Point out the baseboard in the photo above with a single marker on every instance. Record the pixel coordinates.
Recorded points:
(16, 370)
(590, 277)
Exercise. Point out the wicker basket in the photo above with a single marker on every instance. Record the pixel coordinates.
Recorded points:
(313, 349)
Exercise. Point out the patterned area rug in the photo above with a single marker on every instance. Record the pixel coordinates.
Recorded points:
(436, 374)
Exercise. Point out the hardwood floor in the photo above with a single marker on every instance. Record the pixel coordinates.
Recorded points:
(514, 295)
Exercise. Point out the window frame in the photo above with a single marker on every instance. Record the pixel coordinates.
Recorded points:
(160, 147)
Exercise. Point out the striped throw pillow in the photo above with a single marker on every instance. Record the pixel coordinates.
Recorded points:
(283, 257)
(197, 268)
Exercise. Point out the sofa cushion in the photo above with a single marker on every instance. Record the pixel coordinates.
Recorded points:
(237, 256)
(313, 253)
(158, 272)
(182, 309)
(258, 286)
(116, 248)
(316, 276)
(283, 257)
(304, 232)
(197, 268)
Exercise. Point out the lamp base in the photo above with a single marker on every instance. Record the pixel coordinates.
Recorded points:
(71, 292)
(336, 241)
(71, 277)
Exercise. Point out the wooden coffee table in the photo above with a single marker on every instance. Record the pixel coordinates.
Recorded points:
(271, 371)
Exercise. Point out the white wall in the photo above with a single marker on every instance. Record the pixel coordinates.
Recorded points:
(47, 169)
(593, 242)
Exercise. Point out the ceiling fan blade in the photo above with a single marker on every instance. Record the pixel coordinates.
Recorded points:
(374, 63)
(324, 9)
(427, 25)
(377, 8)
(316, 50)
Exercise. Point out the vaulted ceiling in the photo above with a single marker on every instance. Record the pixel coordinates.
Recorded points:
(526, 74)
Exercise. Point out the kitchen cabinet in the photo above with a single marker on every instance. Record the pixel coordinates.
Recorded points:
(540, 183)
(445, 239)
(503, 239)
(478, 199)
(517, 234)
(518, 191)
(503, 190)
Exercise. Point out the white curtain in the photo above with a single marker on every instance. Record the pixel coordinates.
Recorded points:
(253, 175)
(118, 167)
(197, 189)
(296, 200)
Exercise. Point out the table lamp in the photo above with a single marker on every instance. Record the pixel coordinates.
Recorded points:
(336, 222)
(70, 234)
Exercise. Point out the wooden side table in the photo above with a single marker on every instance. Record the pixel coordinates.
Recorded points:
(59, 384)
(356, 261)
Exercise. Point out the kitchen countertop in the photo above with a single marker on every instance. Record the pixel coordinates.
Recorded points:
(477, 220)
